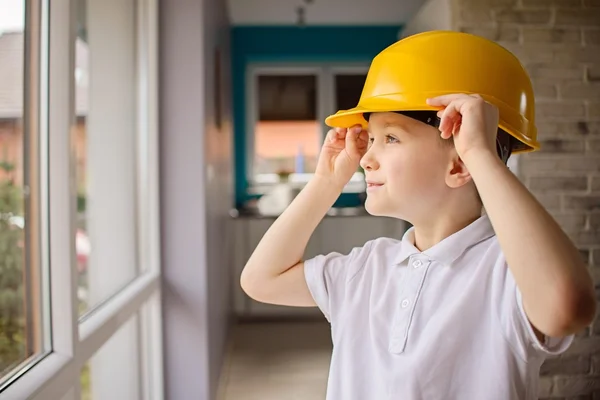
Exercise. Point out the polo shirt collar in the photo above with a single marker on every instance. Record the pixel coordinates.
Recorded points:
(452, 247)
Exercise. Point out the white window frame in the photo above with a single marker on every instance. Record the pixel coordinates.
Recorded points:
(325, 73)
(57, 375)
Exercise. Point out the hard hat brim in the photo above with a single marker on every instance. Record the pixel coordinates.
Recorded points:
(387, 103)
(354, 116)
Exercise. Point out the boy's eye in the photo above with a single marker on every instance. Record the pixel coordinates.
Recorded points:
(390, 139)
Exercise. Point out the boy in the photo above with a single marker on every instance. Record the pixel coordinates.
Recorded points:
(467, 305)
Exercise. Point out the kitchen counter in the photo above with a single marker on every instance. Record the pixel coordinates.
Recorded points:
(333, 212)
(339, 231)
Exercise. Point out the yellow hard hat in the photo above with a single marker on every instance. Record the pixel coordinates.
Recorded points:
(435, 63)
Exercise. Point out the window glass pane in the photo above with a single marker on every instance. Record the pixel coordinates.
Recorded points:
(114, 371)
(287, 133)
(347, 90)
(21, 311)
(105, 146)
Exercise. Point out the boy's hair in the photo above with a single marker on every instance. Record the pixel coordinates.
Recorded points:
(504, 141)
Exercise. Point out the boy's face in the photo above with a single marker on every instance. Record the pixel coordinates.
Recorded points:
(406, 167)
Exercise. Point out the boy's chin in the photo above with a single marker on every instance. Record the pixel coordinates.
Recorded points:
(377, 209)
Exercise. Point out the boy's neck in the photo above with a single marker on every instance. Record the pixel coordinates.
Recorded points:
(428, 234)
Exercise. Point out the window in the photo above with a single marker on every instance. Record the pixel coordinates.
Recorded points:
(23, 332)
(79, 236)
(105, 115)
(112, 369)
(348, 88)
(287, 106)
(287, 132)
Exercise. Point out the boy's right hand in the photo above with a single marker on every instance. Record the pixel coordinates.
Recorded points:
(341, 153)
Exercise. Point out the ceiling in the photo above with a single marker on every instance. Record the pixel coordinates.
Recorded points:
(322, 12)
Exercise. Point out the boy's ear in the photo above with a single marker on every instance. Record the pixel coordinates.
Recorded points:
(458, 175)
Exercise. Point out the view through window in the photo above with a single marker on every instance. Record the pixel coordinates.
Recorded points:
(21, 327)
(105, 173)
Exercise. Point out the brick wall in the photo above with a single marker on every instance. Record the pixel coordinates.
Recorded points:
(558, 41)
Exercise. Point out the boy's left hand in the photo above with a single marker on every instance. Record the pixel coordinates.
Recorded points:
(470, 119)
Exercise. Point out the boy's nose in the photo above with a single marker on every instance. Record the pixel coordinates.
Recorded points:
(368, 162)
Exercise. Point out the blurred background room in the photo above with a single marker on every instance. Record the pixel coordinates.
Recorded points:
(147, 145)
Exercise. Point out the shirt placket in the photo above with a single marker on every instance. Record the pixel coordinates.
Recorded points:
(413, 284)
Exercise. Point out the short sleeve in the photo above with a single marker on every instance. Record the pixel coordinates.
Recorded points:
(518, 329)
(326, 277)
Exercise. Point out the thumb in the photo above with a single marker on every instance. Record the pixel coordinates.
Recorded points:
(352, 141)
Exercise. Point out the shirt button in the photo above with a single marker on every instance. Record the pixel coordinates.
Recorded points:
(417, 263)
(405, 303)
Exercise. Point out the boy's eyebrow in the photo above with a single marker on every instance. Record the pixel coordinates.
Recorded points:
(392, 125)
(389, 125)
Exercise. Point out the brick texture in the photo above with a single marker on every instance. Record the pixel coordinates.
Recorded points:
(558, 43)
(595, 259)
(572, 366)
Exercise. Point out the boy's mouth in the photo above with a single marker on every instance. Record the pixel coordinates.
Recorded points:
(373, 185)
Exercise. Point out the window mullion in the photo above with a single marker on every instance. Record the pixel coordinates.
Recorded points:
(62, 207)
(32, 174)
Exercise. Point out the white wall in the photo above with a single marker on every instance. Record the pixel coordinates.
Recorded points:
(196, 195)
(218, 153)
(433, 15)
(323, 12)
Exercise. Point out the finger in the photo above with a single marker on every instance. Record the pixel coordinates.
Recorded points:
(354, 131)
(352, 138)
(340, 133)
(452, 115)
(456, 127)
(363, 137)
(363, 143)
(332, 135)
(446, 99)
(449, 118)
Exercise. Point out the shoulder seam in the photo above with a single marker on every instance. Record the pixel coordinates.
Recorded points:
(368, 246)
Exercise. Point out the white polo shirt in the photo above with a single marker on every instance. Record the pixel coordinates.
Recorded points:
(447, 323)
